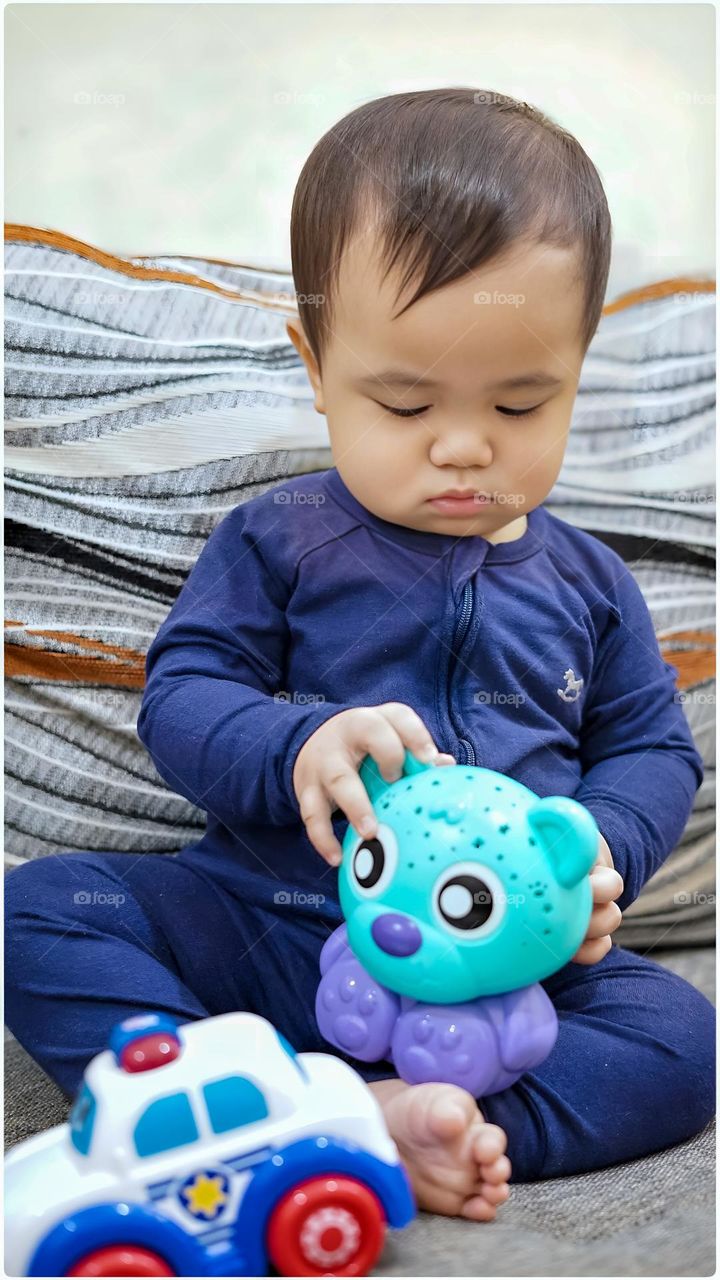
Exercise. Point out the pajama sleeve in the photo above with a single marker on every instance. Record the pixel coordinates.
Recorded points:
(641, 768)
(215, 715)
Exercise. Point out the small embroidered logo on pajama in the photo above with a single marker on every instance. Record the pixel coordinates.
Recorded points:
(573, 687)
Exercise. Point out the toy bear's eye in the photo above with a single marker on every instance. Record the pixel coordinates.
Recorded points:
(469, 900)
(368, 863)
(466, 902)
(374, 861)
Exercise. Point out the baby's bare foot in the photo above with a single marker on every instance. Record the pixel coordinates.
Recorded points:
(455, 1159)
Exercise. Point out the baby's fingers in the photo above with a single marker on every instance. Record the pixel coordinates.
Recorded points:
(315, 813)
(606, 884)
(592, 951)
(605, 919)
(349, 794)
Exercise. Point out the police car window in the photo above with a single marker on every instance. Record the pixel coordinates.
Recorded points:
(82, 1119)
(232, 1101)
(166, 1123)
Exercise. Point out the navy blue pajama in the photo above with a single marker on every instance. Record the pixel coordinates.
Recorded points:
(536, 657)
(93, 938)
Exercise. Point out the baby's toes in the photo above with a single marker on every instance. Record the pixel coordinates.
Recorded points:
(494, 1193)
(497, 1171)
(488, 1144)
(478, 1209)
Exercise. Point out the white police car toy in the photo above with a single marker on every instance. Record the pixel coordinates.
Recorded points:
(208, 1148)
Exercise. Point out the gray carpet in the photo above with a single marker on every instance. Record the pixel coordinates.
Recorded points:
(649, 1217)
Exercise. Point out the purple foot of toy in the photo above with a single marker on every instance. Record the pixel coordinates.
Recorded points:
(453, 1044)
(529, 1028)
(484, 1045)
(355, 1013)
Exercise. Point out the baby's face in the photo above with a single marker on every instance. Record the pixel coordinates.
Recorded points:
(515, 317)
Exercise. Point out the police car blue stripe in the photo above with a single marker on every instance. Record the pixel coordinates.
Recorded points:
(158, 1190)
(215, 1234)
(249, 1158)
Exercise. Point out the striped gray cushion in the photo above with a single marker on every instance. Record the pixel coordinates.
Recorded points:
(146, 398)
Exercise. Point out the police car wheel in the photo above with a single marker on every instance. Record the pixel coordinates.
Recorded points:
(326, 1225)
(121, 1260)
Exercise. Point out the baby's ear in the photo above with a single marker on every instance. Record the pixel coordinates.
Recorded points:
(569, 836)
(373, 781)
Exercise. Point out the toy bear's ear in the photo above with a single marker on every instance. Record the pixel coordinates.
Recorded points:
(569, 835)
(373, 781)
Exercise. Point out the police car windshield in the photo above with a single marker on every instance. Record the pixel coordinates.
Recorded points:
(82, 1120)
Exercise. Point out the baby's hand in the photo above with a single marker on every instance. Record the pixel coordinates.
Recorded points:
(325, 774)
(607, 885)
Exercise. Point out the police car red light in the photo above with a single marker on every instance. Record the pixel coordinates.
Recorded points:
(149, 1052)
(145, 1042)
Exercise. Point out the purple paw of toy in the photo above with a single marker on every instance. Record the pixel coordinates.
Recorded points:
(529, 1028)
(353, 1012)
(482, 1045)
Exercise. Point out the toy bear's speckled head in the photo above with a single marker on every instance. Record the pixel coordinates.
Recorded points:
(473, 886)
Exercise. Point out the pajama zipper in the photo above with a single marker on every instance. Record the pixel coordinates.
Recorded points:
(467, 750)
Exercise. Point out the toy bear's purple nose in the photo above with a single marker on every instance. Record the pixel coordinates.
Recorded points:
(396, 934)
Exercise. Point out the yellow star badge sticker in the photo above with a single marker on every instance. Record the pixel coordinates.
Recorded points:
(205, 1195)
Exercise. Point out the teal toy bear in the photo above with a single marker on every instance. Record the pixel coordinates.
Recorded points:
(471, 893)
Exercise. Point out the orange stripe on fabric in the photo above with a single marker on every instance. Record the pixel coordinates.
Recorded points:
(45, 665)
(694, 665)
(69, 637)
(662, 289)
(14, 232)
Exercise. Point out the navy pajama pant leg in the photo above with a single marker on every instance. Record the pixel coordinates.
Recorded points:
(94, 938)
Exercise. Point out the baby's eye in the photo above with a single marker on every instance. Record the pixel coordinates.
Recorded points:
(374, 861)
(469, 900)
(405, 413)
(517, 413)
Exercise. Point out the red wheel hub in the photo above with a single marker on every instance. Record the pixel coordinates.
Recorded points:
(326, 1226)
(121, 1260)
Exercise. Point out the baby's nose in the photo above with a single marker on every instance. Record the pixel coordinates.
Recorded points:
(396, 934)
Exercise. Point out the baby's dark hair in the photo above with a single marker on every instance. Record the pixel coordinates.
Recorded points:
(450, 178)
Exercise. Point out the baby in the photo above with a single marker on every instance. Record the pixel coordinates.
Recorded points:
(450, 251)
